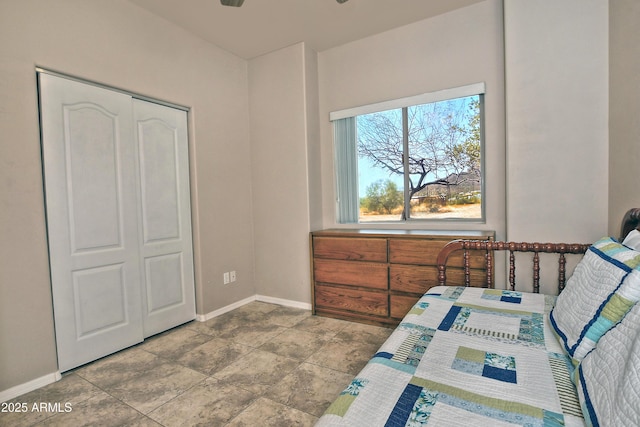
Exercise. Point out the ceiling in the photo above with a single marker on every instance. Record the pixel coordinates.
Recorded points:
(262, 26)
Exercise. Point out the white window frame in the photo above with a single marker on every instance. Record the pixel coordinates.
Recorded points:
(346, 182)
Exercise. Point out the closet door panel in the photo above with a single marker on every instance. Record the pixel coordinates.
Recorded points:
(159, 184)
(92, 168)
(166, 248)
(165, 273)
(96, 314)
(90, 186)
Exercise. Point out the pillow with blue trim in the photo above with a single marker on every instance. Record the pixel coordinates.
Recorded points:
(604, 286)
(608, 378)
(632, 240)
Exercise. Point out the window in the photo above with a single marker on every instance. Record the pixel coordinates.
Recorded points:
(414, 161)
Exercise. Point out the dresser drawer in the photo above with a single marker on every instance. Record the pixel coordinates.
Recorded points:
(354, 300)
(401, 304)
(358, 249)
(412, 278)
(365, 274)
(419, 279)
(425, 252)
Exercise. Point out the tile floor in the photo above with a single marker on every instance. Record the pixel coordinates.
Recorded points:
(259, 365)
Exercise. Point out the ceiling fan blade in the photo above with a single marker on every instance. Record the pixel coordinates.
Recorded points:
(234, 3)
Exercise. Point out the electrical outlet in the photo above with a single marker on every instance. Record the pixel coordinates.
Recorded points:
(225, 278)
(233, 276)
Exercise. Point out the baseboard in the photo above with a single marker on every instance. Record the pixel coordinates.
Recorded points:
(261, 298)
(223, 310)
(21, 389)
(284, 302)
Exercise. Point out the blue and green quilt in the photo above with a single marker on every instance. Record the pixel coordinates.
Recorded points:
(465, 357)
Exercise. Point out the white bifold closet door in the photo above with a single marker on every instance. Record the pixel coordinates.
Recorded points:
(118, 218)
(165, 226)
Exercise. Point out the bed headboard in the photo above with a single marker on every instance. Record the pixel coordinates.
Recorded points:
(630, 221)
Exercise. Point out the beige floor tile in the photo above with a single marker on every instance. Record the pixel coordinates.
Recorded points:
(233, 320)
(256, 307)
(210, 403)
(201, 328)
(266, 413)
(322, 325)
(250, 314)
(344, 356)
(120, 367)
(21, 416)
(286, 316)
(173, 344)
(253, 313)
(71, 389)
(295, 343)
(257, 371)
(142, 421)
(217, 325)
(375, 335)
(213, 355)
(100, 410)
(156, 387)
(310, 388)
(253, 335)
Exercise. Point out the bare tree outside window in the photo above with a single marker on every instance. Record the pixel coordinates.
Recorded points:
(425, 160)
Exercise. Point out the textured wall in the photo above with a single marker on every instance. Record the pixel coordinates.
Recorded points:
(118, 44)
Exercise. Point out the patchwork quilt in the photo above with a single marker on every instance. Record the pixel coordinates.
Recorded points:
(465, 357)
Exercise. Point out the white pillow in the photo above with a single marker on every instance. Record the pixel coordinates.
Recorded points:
(608, 379)
(602, 289)
(632, 240)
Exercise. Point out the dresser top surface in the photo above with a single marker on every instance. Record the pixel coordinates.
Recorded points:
(370, 232)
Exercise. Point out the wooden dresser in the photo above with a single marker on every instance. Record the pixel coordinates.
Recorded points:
(375, 276)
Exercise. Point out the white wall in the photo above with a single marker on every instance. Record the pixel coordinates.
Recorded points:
(554, 158)
(624, 110)
(114, 43)
(557, 119)
(314, 144)
(279, 100)
(450, 50)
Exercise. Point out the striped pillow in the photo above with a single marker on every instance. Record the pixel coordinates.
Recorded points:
(604, 286)
(608, 378)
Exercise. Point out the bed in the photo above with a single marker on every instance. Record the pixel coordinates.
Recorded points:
(466, 356)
